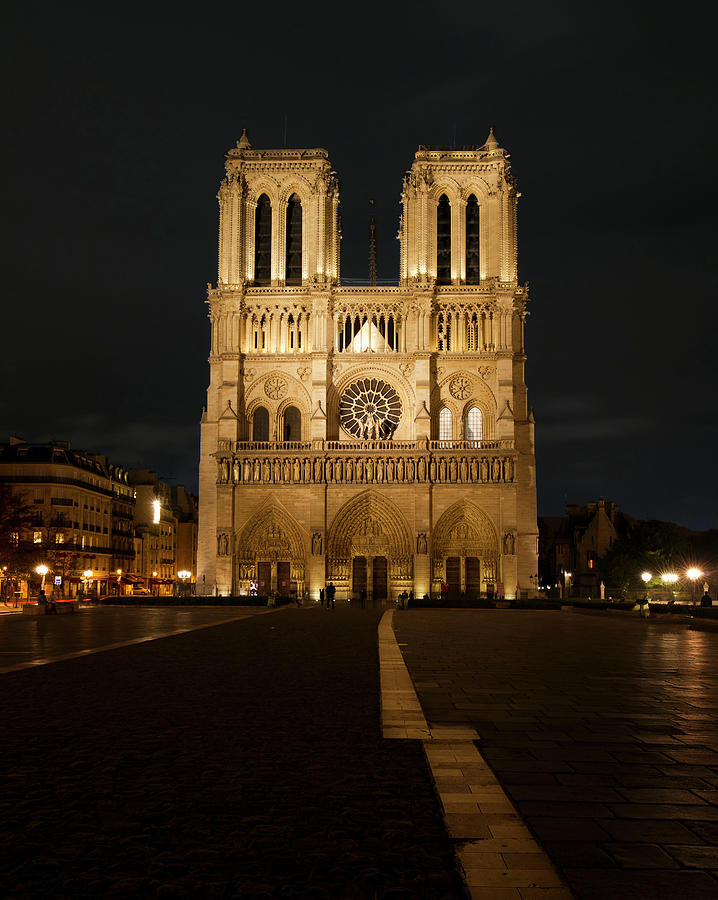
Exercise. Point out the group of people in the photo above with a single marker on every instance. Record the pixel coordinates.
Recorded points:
(328, 594)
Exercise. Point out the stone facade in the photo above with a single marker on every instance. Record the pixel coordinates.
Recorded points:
(376, 437)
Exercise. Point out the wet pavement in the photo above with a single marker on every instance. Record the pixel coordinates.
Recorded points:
(601, 729)
(244, 759)
(36, 640)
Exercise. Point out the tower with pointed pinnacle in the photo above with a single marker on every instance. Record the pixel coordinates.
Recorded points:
(378, 437)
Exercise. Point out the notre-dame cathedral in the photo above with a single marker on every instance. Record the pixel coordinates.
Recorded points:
(377, 437)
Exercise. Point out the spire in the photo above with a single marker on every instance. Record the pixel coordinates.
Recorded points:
(243, 142)
(491, 142)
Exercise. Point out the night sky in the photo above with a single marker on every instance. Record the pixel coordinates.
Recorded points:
(117, 118)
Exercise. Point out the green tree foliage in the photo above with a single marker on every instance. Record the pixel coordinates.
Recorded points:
(652, 546)
(16, 517)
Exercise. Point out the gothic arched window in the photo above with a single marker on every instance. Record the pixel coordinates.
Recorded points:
(263, 241)
(292, 424)
(293, 273)
(443, 241)
(475, 424)
(472, 333)
(446, 425)
(260, 424)
(473, 263)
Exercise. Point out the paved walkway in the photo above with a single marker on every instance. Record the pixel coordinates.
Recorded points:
(601, 730)
(240, 760)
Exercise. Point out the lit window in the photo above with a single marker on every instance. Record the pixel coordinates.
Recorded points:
(59, 538)
(446, 425)
(37, 537)
(475, 424)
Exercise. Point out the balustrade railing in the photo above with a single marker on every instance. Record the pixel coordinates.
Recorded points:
(354, 446)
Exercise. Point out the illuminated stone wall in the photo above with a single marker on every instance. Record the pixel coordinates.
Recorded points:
(323, 440)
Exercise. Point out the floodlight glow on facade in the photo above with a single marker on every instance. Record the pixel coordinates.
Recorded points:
(156, 506)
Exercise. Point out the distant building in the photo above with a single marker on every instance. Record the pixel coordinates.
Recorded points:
(571, 545)
(125, 527)
(165, 525)
(82, 512)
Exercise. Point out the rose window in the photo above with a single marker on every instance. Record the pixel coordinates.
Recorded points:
(370, 409)
(275, 387)
(460, 387)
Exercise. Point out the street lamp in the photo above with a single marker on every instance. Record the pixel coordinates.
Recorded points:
(119, 578)
(184, 576)
(694, 574)
(86, 578)
(42, 570)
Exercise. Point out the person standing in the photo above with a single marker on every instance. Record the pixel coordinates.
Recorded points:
(331, 592)
(321, 597)
(42, 602)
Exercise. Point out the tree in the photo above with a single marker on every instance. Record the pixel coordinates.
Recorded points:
(651, 546)
(16, 519)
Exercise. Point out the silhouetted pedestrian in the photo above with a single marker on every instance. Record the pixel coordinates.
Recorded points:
(331, 592)
(321, 597)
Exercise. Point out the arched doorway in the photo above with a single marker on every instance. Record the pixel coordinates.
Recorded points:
(465, 551)
(270, 554)
(369, 547)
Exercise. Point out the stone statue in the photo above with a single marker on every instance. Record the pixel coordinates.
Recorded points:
(422, 469)
(474, 470)
(496, 470)
(317, 543)
(247, 471)
(452, 469)
(509, 543)
(350, 470)
(421, 543)
(484, 469)
(464, 469)
(400, 469)
(285, 471)
(266, 471)
(235, 472)
(257, 471)
(296, 472)
(371, 427)
(370, 470)
(432, 469)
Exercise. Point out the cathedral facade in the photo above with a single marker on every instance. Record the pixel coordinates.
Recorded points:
(377, 437)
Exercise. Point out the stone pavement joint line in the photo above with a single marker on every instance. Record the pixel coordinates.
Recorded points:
(497, 854)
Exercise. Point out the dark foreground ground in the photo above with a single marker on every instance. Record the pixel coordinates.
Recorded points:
(241, 760)
(602, 730)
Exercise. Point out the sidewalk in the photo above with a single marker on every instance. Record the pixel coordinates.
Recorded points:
(241, 760)
(602, 731)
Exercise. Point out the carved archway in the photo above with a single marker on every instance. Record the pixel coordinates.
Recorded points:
(370, 526)
(270, 536)
(463, 532)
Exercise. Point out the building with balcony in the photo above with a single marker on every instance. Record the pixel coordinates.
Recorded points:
(376, 437)
(81, 512)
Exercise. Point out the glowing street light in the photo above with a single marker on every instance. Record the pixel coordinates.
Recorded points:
(184, 575)
(42, 570)
(694, 574)
(86, 578)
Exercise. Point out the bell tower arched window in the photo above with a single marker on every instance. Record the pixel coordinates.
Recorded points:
(263, 241)
(260, 424)
(292, 424)
(293, 274)
(475, 424)
(446, 425)
(473, 262)
(443, 241)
